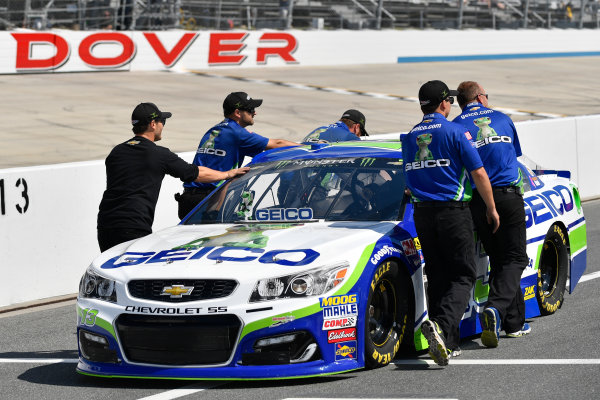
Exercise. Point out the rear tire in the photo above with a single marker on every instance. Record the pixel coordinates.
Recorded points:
(387, 320)
(552, 271)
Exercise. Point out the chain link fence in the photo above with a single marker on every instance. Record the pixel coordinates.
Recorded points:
(297, 14)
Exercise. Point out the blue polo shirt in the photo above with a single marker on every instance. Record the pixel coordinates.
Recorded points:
(437, 158)
(494, 136)
(337, 132)
(224, 146)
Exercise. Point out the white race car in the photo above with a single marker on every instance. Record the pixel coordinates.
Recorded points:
(307, 265)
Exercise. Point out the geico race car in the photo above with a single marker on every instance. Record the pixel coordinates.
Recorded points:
(307, 265)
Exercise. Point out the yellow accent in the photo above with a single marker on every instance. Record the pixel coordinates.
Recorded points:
(176, 291)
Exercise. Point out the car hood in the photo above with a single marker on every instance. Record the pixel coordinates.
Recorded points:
(239, 251)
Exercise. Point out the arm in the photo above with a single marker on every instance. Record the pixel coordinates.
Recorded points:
(274, 143)
(207, 175)
(484, 188)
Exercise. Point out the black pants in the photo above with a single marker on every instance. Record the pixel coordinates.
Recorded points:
(190, 199)
(507, 250)
(108, 238)
(446, 236)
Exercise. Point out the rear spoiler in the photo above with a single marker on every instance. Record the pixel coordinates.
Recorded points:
(561, 174)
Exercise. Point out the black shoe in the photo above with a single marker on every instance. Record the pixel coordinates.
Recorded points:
(437, 348)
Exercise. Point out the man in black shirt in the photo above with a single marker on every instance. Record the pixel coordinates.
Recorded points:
(134, 173)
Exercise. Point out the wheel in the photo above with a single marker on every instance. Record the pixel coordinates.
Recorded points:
(552, 272)
(387, 315)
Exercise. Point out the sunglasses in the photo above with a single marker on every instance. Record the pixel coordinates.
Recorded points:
(450, 99)
(484, 95)
(248, 110)
(163, 120)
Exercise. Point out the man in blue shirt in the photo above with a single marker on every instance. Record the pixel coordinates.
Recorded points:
(495, 138)
(351, 126)
(437, 158)
(224, 146)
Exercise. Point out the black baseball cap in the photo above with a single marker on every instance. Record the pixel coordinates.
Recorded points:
(434, 92)
(359, 118)
(239, 101)
(144, 113)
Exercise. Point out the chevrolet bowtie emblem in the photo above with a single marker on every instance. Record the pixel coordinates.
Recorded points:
(177, 291)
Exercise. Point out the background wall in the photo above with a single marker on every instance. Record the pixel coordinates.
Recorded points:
(48, 213)
(69, 51)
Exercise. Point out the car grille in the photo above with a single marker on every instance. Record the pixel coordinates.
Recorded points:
(188, 340)
(204, 289)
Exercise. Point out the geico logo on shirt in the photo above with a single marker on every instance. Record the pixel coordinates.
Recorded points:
(216, 152)
(492, 139)
(284, 214)
(442, 162)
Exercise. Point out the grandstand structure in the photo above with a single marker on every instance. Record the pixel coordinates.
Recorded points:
(297, 14)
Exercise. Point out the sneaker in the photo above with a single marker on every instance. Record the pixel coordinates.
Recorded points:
(490, 324)
(454, 353)
(434, 335)
(524, 331)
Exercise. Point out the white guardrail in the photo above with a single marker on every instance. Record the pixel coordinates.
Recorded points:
(48, 213)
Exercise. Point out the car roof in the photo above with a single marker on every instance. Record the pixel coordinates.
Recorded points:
(363, 148)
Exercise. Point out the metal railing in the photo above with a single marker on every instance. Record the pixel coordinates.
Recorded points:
(298, 14)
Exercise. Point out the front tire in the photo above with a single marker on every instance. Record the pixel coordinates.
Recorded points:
(552, 271)
(387, 315)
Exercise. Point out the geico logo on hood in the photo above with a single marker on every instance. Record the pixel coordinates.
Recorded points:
(384, 251)
(548, 204)
(491, 140)
(441, 162)
(235, 254)
(284, 214)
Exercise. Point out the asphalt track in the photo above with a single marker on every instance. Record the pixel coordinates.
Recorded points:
(73, 117)
(560, 359)
(55, 118)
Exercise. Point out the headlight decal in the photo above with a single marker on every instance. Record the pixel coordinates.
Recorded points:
(348, 284)
(82, 313)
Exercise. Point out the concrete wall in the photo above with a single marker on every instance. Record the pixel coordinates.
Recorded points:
(48, 213)
(68, 51)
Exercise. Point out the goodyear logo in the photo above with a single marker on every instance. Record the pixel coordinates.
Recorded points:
(338, 300)
(345, 351)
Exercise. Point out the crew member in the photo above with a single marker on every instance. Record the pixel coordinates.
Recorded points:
(351, 126)
(225, 145)
(134, 173)
(495, 137)
(437, 156)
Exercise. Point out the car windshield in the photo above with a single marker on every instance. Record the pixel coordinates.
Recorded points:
(333, 189)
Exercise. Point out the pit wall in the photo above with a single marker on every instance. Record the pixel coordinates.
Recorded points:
(25, 51)
(48, 213)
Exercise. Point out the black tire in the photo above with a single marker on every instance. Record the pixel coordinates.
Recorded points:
(387, 318)
(553, 270)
